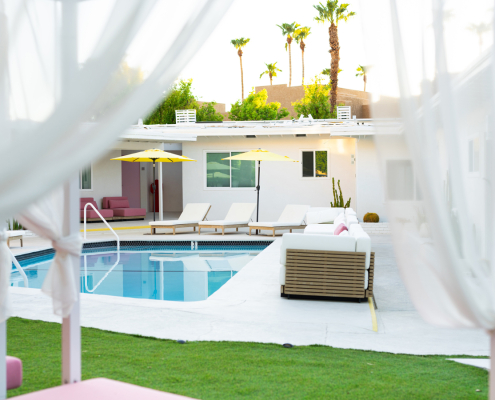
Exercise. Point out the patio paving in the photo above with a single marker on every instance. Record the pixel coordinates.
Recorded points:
(249, 308)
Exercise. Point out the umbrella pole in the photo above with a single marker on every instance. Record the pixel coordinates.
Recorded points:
(258, 196)
(154, 191)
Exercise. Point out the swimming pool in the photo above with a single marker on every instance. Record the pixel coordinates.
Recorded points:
(175, 273)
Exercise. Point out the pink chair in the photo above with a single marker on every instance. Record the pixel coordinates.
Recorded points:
(100, 389)
(14, 372)
(91, 215)
(121, 208)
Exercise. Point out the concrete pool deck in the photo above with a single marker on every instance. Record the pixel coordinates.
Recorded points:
(249, 308)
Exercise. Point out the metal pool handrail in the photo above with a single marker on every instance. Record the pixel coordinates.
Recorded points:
(21, 271)
(104, 277)
(104, 220)
(85, 257)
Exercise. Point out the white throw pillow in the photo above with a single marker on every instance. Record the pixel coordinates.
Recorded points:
(344, 233)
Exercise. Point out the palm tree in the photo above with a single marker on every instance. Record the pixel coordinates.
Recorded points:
(239, 44)
(362, 71)
(326, 71)
(289, 30)
(299, 36)
(271, 70)
(480, 29)
(333, 12)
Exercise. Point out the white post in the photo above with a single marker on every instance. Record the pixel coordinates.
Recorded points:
(3, 360)
(160, 190)
(71, 330)
(491, 380)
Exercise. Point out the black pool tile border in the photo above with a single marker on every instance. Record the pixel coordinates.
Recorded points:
(144, 244)
(177, 243)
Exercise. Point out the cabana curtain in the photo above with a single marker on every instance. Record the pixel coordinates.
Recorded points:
(73, 76)
(435, 98)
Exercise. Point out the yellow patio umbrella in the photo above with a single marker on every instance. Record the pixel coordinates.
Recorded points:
(154, 156)
(259, 155)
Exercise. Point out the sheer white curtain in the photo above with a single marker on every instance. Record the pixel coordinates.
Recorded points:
(433, 74)
(73, 76)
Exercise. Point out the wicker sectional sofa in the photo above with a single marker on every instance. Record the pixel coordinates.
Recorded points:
(328, 265)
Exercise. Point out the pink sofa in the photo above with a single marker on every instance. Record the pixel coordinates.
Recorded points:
(121, 209)
(90, 213)
(14, 372)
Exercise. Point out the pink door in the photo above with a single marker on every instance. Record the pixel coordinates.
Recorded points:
(131, 184)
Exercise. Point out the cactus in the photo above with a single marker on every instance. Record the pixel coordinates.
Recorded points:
(338, 199)
(371, 217)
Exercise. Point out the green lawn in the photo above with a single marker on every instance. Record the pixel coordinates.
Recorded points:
(231, 370)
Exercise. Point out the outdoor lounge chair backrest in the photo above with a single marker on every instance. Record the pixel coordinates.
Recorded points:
(293, 214)
(106, 200)
(240, 212)
(195, 212)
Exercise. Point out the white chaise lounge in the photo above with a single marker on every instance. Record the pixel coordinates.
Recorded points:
(327, 265)
(291, 218)
(238, 216)
(193, 214)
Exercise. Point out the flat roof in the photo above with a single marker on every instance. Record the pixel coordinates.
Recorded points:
(331, 127)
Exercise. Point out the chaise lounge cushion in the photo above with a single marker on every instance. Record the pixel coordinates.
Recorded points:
(124, 203)
(129, 212)
(239, 214)
(14, 372)
(192, 214)
(293, 215)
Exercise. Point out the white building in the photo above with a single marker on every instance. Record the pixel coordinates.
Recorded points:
(324, 149)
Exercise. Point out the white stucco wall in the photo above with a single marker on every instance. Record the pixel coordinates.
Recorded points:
(107, 178)
(281, 182)
(369, 183)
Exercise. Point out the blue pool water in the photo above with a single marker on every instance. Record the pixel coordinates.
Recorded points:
(177, 275)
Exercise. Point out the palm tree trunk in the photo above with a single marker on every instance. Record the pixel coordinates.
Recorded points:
(242, 79)
(290, 67)
(334, 65)
(302, 66)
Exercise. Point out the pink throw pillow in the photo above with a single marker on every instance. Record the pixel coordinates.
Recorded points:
(339, 229)
(118, 203)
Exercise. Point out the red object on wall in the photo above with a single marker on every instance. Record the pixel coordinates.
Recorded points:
(157, 204)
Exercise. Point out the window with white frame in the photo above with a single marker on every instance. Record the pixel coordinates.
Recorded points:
(86, 178)
(229, 173)
(314, 163)
(474, 155)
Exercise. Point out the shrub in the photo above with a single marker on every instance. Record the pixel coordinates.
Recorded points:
(371, 217)
(181, 97)
(255, 108)
(338, 199)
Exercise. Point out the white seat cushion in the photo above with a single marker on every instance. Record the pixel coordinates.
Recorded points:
(273, 224)
(16, 233)
(319, 229)
(303, 241)
(172, 222)
(222, 223)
